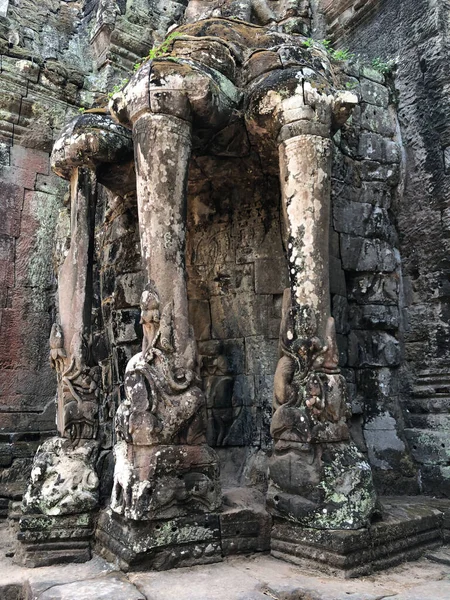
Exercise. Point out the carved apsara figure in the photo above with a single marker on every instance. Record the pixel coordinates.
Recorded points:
(78, 389)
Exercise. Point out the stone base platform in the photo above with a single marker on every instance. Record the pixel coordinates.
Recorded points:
(158, 545)
(409, 527)
(443, 505)
(243, 526)
(45, 540)
(10, 495)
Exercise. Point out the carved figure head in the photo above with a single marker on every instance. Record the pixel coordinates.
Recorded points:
(56, 337)
(150, 312)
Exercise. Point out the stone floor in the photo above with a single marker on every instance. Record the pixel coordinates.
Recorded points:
(259, 577)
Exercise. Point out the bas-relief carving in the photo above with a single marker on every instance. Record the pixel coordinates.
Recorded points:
(310, 401)
(292, 119)
(164, 468)
(63, 479)
(159, 17)
(78, 389)
(219, 390)
(262, 12)
(317, 476)
(163, 402)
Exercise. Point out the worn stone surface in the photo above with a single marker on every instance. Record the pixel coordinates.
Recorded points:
(235, 578)
(231, 99)
(102, 588)
(412, 34)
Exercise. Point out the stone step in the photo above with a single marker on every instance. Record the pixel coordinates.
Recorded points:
(429, 375)
(408, 529)
(427, 391)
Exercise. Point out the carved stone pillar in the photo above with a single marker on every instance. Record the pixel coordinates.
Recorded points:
(166, 476)
(305, 168)
(163, 149)
(82, 154)
(64, 483)
(78, 383)
(317, 477)
(62, 494)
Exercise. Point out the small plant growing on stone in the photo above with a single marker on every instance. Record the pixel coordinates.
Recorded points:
(81, 110)
(118, 88)
(383, 67)
(163, 48)
(343, 54)
(159, 51)
(351, 85)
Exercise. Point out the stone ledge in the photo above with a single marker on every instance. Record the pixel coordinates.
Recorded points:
(242, 527)
(409, 528)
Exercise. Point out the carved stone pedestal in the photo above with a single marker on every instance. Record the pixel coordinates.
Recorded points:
(165, 482)
(46, 540)
(159, 545)
(326, 486)
(407, 528)
(243, 526)
(58, 506)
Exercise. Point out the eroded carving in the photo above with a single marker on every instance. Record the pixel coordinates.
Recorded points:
(291, 111)
(163, 403)
(308, 385)
(289, 15)
(221, 79)
(163, 466)
(219, 388)
(78, 389)
(63, 479)
(317, 476)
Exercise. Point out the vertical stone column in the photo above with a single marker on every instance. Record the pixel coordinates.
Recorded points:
(63, 490)
(78, 389)
(305, 173)
(317, 477)
(162, 150)
(166, 476)
(62, 495)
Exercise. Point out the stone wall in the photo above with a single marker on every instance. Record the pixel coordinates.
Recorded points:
(415, 35)
(118, 333)
(366, 278)
(28, 215)
(39, 94)
(237, 273)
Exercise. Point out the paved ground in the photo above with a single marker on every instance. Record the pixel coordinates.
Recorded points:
(256, 578)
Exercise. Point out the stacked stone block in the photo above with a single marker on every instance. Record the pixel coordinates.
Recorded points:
(366, 279)
(414, 35)
(237, 273)
(31, 199)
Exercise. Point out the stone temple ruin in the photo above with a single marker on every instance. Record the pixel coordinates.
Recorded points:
(241, 262)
